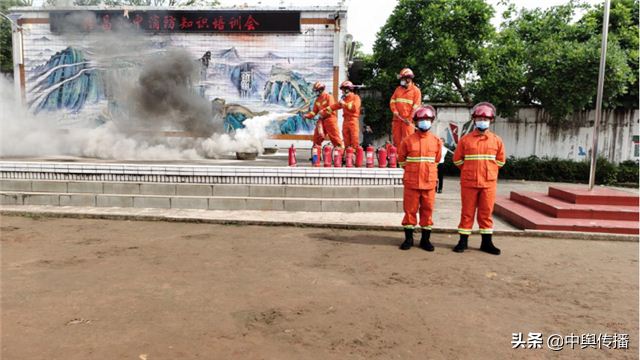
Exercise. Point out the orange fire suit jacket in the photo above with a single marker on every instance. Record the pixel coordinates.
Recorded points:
(405, 101)
(324, 100)
(351, 109)
(479, 155)
(419, 155)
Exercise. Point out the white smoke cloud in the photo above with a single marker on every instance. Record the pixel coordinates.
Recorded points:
(24, 134)
(153, 92)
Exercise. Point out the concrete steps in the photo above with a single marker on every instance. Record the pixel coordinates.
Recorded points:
(572, 209)
(557, 208)
(598, 196)
(199, 196)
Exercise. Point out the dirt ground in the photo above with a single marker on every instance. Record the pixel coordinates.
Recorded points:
(99, 289)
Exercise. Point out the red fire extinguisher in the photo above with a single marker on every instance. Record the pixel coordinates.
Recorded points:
(393, 156)
(316, 154)
(382, 157)
(292, 156)
(328, 149)
(349, 157)
(370, 155)
(337, 156)
(359, 156)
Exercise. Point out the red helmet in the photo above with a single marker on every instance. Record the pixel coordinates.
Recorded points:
(483, 109)
(347, 85)
(319, 86)
(425, 112)
(405, 73)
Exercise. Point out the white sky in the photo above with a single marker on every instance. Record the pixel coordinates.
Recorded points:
(366, 17)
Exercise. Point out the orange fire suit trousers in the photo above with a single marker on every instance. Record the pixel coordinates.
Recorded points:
(415, 200)
(330, 127)
(481, 199)
(399, 131)
(351, 133)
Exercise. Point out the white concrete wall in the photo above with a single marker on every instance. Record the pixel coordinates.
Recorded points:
(531, 135)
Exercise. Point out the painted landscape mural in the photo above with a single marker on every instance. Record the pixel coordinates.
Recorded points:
(241, 75)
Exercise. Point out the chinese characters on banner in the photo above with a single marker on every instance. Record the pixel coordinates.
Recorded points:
(177, 21)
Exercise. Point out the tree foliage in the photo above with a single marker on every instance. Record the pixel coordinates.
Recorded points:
(623, 31)
(548, 58)
(440, 40)
(6, 59)
(543, 57)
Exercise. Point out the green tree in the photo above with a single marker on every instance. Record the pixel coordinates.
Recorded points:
(623, 30)
(440, 40)
(6, 53)
(543, 57)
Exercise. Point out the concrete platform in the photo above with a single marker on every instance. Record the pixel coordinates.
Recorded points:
(199, 174)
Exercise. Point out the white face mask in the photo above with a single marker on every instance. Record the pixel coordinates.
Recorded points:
(482, 124)
(403, 82)
(424, 125)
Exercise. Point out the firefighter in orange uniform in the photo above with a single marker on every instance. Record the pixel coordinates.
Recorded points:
(350, 104)
(479, 155)
(327, 125)
(418, 154)
(404, 102)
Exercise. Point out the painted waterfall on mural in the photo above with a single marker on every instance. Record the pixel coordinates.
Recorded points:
(242, 75)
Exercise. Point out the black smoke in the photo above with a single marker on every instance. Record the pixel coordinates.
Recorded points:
(164, 95)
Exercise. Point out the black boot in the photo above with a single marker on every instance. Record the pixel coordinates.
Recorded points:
(462, 243)
(487, 245)
(425, 244)
(408, 240)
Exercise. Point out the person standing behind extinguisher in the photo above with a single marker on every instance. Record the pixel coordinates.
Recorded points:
(418, 154)
(350, 105)
(441, 167)
(404, 102)
(479, 155)
(327, 125)
(367, 136)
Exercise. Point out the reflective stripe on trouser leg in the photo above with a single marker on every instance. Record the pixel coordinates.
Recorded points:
(486, 200)
(469, 197)
(410, 204)
(427, 202)
(399, 131)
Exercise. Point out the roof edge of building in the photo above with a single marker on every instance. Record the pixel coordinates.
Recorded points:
(194, 8)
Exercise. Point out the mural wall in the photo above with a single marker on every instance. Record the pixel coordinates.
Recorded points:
(242, 74)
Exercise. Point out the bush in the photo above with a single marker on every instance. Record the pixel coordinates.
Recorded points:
(560, 170)
(628, 172)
